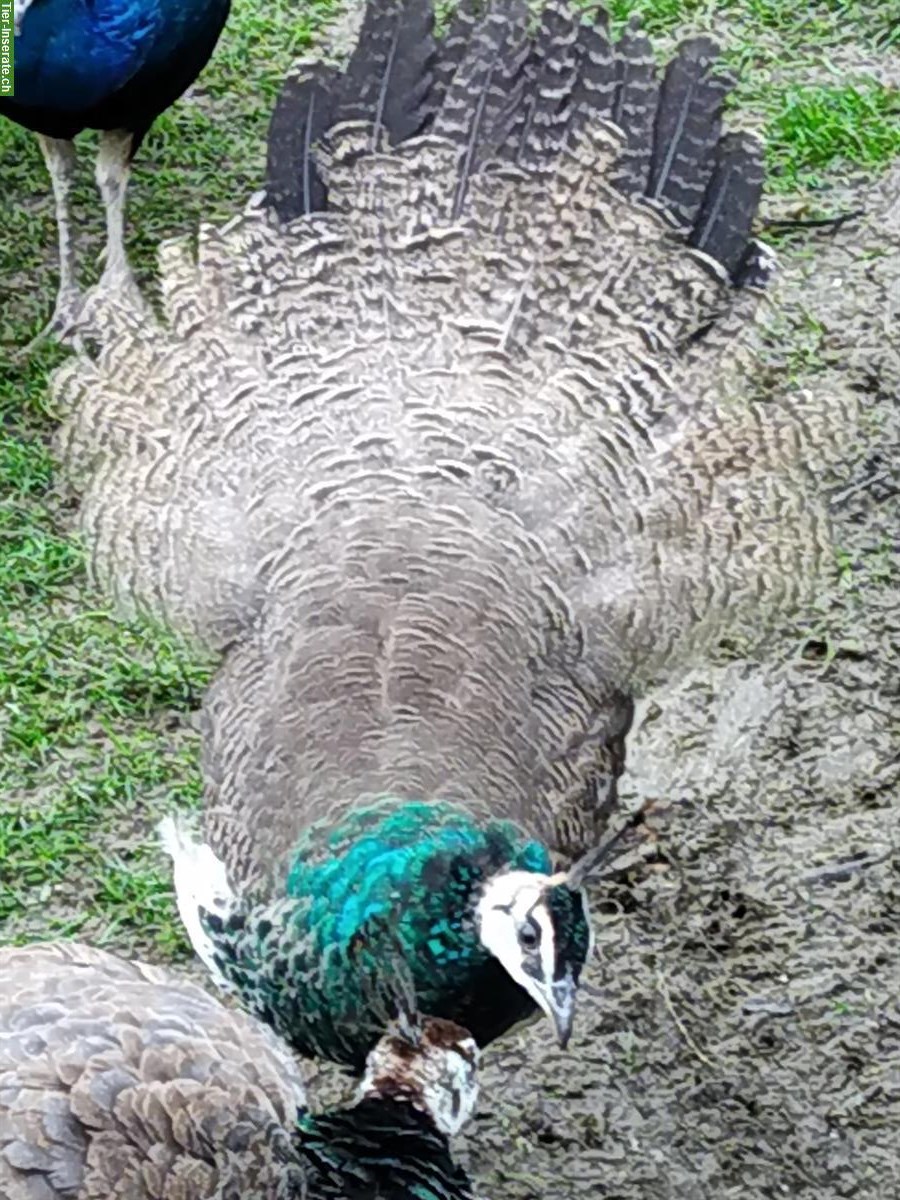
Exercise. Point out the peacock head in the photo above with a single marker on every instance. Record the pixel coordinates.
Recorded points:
(429, 1063)
(537, 926)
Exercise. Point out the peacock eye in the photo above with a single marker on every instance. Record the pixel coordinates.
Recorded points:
(529, 936)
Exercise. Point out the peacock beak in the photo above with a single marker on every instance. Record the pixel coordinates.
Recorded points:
(562, 1009)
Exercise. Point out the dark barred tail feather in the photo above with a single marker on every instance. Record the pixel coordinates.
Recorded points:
(303, 115)
(391, 83)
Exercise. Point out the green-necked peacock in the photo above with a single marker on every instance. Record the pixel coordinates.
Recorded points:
(117, 1079)
(446, 446)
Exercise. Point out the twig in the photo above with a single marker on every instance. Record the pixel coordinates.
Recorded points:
(839, 872)
(832, 224)
(679, 1024)
(841, 496)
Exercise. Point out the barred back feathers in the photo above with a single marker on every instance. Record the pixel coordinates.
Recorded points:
(450, 448)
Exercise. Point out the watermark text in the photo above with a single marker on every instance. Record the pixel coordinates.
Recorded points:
(7, 48)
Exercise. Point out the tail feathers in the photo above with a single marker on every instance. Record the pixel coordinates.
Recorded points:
(634, 107)
(482, 102)
(755, 268)
(686, 130)
(596, 85)
(200, 884)
(555, 237)
(551, 74)
(455, 43)
(723, 220)
(496, 94)
(507, 273)
(390, 82)
(303, 113)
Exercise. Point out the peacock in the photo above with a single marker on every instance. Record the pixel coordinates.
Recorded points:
(118, 1079)
(112, 65)
(447, 446)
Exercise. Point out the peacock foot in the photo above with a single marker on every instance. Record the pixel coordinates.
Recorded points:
(63, 325)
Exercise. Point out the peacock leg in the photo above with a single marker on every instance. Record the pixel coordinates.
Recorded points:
(59, 155)
(112, 170)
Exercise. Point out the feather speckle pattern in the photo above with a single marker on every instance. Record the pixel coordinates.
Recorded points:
(119, 1080)
(448, 472)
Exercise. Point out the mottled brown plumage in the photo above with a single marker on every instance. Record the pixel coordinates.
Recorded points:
(452, 470)
(118, 1079)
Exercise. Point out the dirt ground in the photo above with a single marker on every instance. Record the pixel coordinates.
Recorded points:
(742, 1038)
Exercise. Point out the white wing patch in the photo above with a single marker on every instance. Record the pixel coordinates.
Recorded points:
(200, 882)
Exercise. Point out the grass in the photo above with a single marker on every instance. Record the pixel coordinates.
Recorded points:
(820, 126)
(846, 119)
(97, 736)
(95, 744)
(95, 727)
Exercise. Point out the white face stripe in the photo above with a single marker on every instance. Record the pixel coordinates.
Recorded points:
(506, 904)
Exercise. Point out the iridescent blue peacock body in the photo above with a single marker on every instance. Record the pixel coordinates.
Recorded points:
(112, 65)
(446, 450)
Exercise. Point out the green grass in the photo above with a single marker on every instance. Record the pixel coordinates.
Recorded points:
(820, 127)
(97, 740)
(846, 119)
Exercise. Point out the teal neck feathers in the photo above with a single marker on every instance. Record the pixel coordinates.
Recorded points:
(397, 878)
(415, 866)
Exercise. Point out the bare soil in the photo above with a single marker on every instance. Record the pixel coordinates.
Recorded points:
(742, 1038)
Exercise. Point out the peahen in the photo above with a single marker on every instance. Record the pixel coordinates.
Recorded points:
(446, 472)
(112, 65)
(117, 1079)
